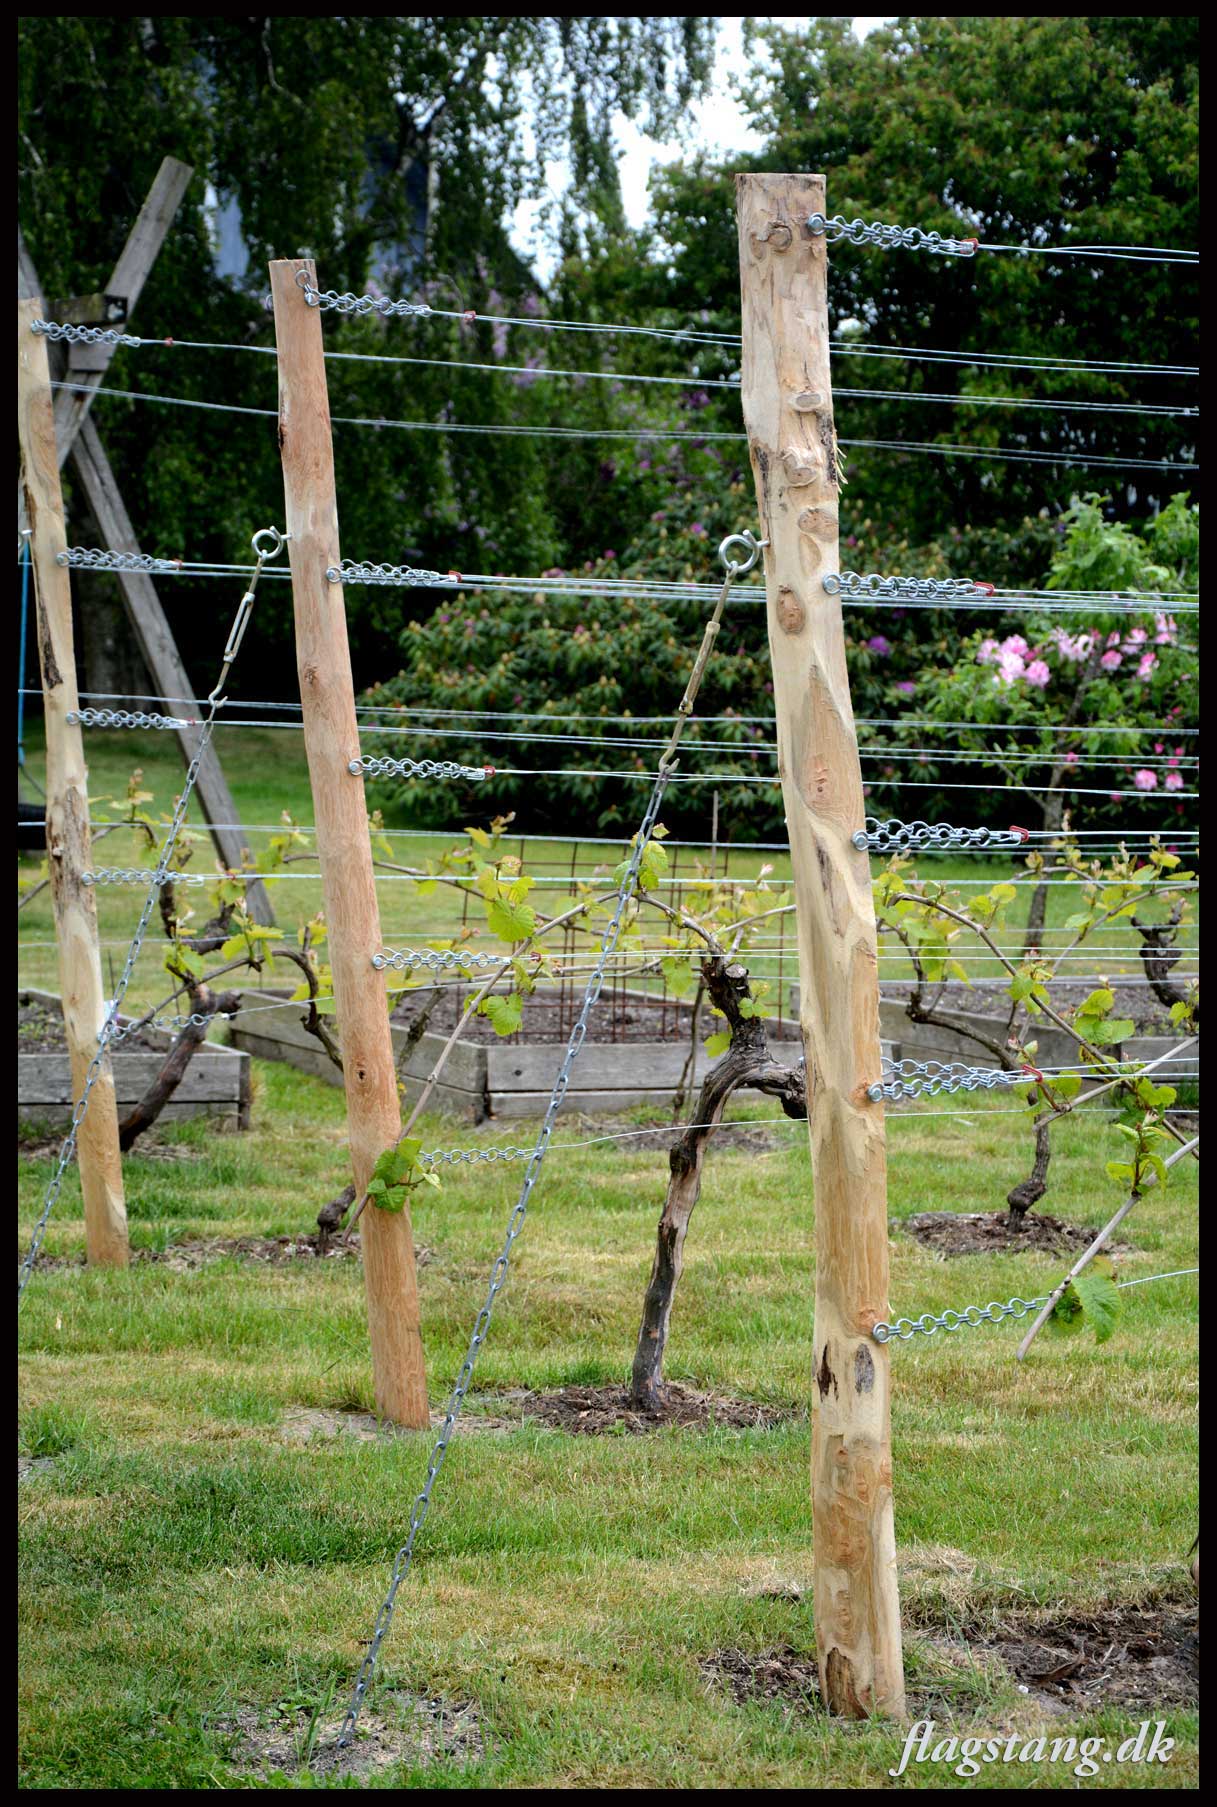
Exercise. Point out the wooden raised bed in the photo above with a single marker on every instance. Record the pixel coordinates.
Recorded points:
(504, 1079)
(905, 1040)
(216, 1083)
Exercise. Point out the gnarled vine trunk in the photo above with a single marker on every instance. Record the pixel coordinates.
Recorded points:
(746, 1063)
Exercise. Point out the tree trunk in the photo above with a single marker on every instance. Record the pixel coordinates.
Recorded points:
(1029, 1191)
(746, 1063)
(144, 1114)
(1159, 956)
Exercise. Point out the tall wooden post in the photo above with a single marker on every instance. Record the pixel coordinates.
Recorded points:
(331, 738)
(788, 414)
(69, 852)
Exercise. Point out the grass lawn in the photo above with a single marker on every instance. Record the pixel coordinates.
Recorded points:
(181, 1558)
(184, 1560)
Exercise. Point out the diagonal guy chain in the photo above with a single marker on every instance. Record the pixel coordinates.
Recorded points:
(266, 544)
(515, 1223)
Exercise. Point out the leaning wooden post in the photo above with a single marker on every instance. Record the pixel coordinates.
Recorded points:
(69, 853)
(788, 414)
(331, 738)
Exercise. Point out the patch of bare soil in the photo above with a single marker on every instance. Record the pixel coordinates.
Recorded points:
(40, 1030)
(605, 1411)
(404, 1728)
(1128, 1656)
(274, 1251)
(549, 1016)
(990, 1232)
(786, 1677)
(1133, 1657)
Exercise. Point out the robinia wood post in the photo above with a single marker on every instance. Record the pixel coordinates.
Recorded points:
(331, 738)
(69, 852)
(788, 413)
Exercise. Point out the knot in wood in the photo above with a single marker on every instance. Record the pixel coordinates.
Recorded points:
(792, 616)
(800, 467)
(777, 236)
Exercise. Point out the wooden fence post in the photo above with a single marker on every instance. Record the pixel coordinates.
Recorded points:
(69, 852)
(792, 441)
(331, 738)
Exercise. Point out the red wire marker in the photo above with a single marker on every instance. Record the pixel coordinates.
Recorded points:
(489, 770)
(985, 589)
(469, 314)
(1024, 834)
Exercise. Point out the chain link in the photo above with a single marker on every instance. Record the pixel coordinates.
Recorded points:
(973, 1316)
(331, 301)
(354, 571)
(418, 768)
(96, 558)
(170, 1025)
(872, 583)
(515, 1222)
(892, 238)
(466, 1157)
(408, 959)
(970, 1318)
(161, 875)
(903, 837)
(127, 718)
(56, 331)
(929, 1078)
(140, 875)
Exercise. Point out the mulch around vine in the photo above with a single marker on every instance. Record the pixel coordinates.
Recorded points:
(417, 1729)
(608, 1411)
(40, 1030)
(1132, 1657)
(575, 1411)
(996, 1232)
(548, 1018)
(273, 1251)
(1129, 1656)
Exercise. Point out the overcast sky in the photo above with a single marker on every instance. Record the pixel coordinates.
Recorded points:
(719, 127)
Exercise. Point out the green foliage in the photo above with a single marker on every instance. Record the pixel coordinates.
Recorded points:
(1093, 1299)
(393, 149)
(397, 1173)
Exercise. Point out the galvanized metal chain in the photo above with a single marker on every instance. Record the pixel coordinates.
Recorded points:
(418, 768)
(170, 1025)
(265, 544)
(354, 571)
(970, 1318)
(410, 959)
(127, 718)
(330, 301)
(903, 837)
(536, 1156)
(96, 558)
(469, 1157)
(973, 1316)
(57, 331)
(139, 875)
(891, 238)
(873, 583)
(930, 1078)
